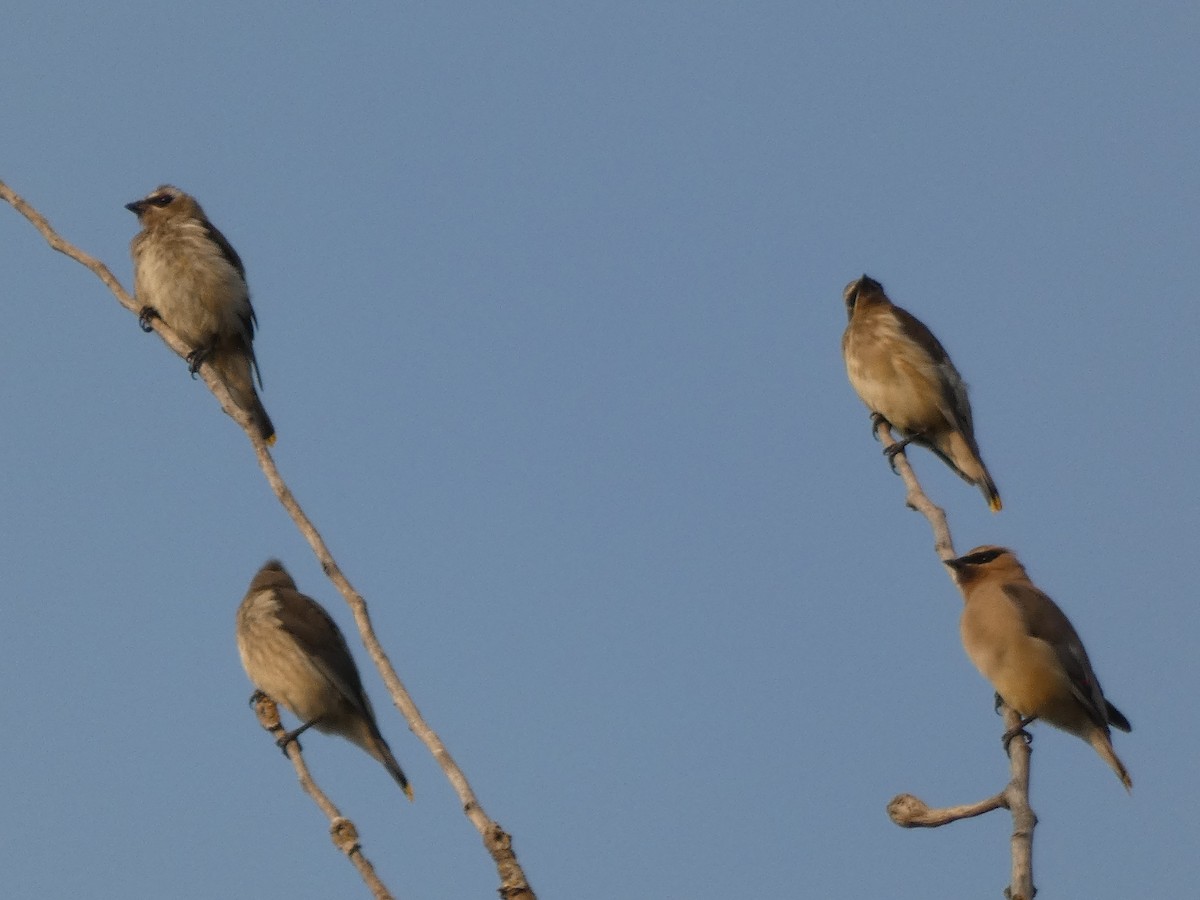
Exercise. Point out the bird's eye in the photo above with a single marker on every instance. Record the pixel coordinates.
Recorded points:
(162, 200)
(982, 558)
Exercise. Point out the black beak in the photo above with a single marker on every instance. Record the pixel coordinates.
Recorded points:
(136, 207)
(955, 564)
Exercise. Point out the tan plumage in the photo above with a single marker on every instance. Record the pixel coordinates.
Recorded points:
(1027, 648)
(186, 273)
(901, 372)
(296, 655)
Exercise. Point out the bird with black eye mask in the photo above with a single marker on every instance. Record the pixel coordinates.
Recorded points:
(1029, 650)
(187, 274)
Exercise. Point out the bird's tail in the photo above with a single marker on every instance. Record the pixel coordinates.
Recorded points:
(1102, 743)
(234, 368)
(379, 749)
(963, 457)
(989, 490)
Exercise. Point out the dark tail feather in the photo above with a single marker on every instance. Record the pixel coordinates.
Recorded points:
(383, 753)
(1116, 718)
(263, 421)
(235, 370)
(990, 493)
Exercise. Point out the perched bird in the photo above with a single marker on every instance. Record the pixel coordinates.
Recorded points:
(296, 655)
(187, 274)
(1027, 648)
(901, 372)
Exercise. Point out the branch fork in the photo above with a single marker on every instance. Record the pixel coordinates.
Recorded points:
(909, 811)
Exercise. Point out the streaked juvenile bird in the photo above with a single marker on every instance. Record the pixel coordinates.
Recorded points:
(187, 274)
(902, 373)
(296, 655)
(1027, 648)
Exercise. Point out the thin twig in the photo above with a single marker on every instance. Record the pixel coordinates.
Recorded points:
(909, 811)
(513, 884)
(341, 830)
(57, 243)
(1016, 796)
(172, 340)
(916, 499)
(498, 843)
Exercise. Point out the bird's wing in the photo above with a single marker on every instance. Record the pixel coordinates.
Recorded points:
(954, 404)
(224, 246)
(322, 641)
(1045, 621)
(914, 329)
(248, 318)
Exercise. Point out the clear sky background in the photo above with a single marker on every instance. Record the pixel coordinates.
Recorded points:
(550, 308)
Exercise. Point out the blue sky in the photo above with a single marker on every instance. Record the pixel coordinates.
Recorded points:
(550, 308)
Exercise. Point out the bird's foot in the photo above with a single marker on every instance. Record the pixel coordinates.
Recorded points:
(876, 420)
(196, 358)
(898, 447)
(255, 697)
(145, 315)
(1007, 737)
(288, 737)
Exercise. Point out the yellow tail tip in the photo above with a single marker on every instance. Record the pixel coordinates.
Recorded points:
(408, 792)
(271, 441)
(994, 504)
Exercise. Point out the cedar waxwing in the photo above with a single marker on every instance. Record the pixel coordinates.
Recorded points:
(186, 273)
(901, 372)
(1027, 648)
(296, 655)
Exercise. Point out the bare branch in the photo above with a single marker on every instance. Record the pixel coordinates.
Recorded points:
(495, 839)
(943, 544)
(102, 272)
(513, 884)
(909, 811)
(57, 243)
(341, 829)
(1016, 798)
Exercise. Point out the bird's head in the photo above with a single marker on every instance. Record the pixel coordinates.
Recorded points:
(272, 575)
(858, 288)
(983, 562)
(164, 204)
